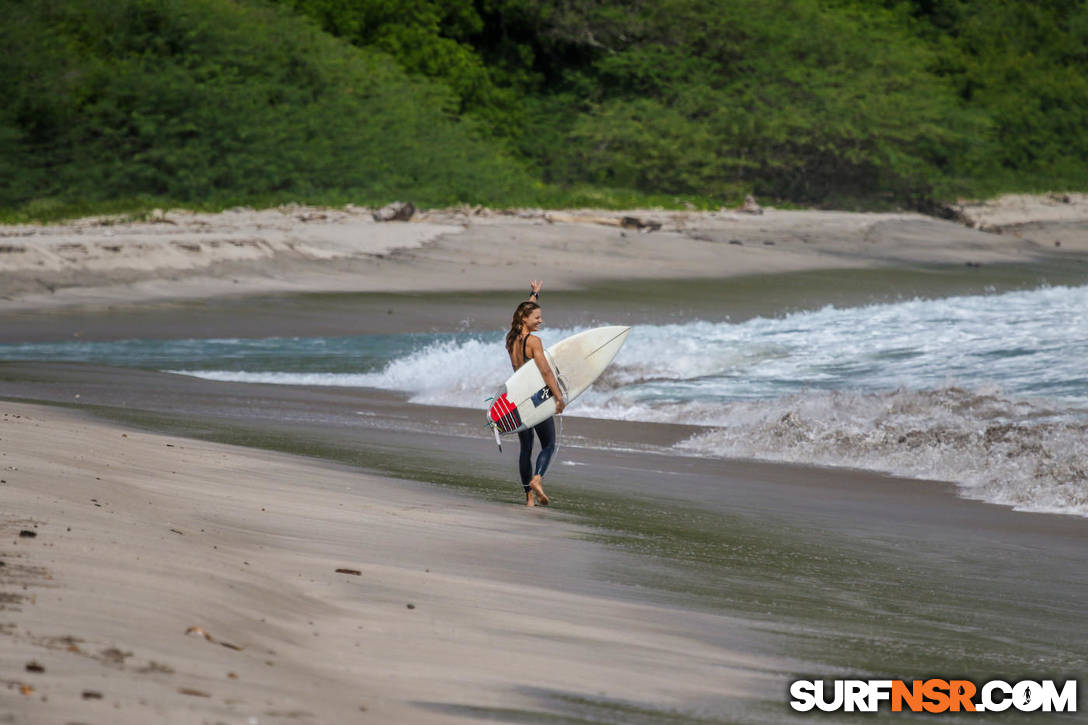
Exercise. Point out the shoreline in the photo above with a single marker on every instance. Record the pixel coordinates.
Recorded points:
(342, 416)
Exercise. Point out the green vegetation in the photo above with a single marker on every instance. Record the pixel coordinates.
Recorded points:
(214, 103)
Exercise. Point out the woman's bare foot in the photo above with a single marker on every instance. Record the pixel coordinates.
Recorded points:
(539, 490)
(529, 500)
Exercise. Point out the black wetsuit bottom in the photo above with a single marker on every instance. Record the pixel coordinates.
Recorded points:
(546, 433)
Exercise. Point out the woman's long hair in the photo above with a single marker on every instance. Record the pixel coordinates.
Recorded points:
(523, 311)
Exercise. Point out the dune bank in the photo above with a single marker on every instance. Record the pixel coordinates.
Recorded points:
(181, 254)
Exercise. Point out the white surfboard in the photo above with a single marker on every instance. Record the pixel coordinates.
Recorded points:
(526, 400)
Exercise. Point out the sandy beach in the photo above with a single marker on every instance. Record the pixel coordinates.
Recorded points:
(170, 546)
(172, 580)
(627, 601)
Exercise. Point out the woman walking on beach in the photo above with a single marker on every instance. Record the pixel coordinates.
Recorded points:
(522, 346)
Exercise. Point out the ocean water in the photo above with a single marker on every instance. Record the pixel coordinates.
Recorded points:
(987, 391)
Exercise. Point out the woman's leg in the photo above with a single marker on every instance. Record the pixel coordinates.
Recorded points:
(525, 463)
(546, 433)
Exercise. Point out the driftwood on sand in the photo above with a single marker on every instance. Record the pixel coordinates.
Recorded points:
(624, 222)
(398, 211)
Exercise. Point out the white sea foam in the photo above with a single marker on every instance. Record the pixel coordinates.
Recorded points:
(1024, 454)
(343, 380)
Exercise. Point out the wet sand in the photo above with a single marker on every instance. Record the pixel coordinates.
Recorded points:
(671, 586)
(173, 580)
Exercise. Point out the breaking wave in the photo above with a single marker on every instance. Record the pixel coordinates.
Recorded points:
(1024, 454)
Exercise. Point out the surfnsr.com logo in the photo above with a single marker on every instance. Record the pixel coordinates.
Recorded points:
(933, 696)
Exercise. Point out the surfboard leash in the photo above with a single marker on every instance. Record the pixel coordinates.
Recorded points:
(558, 437)
(494, 426)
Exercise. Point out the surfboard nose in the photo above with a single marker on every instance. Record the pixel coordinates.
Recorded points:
(609, 340)
(621, 333)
